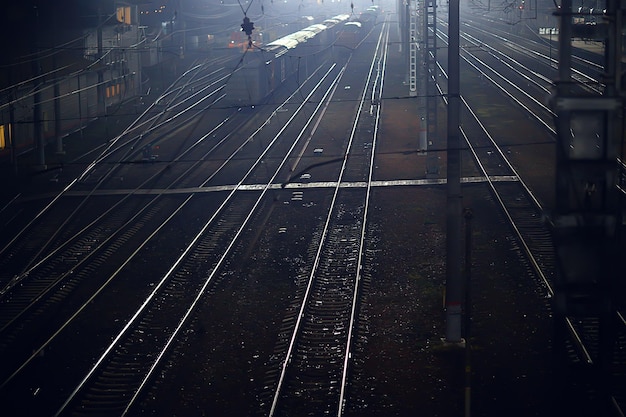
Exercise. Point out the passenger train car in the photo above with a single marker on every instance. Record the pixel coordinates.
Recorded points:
(357, 27)
(296, 55)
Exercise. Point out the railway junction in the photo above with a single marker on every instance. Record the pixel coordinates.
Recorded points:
(289, 257)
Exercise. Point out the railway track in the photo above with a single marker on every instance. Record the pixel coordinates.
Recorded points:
(313, 375)
(76, 252)
(526, 215)
(129, 142)
(73, 243)
(126, 367)
(258, 289)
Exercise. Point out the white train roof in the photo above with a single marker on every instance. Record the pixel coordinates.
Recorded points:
(354, 23)
(294, 39)
(340, 18)
(287, 42)
(317, 28)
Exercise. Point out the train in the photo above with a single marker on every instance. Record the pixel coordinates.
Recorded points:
(264, 69)
(354, 30)
(293, 57)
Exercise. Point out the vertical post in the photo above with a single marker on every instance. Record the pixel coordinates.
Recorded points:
(80, 107)
(413, 35)
(57, 102)
(562, 125)
(612, 209)
(37, 124)
(138, 54)
(57, 118)
(12, 140)
(550, 29)
(183, 46)
(454, 282)
(432, 95)
(100, 89)
(468, 214)
(565, 52)
(406, 41)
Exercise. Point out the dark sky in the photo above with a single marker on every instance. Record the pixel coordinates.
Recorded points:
(64, 12)
(39, 24)
(31, 26)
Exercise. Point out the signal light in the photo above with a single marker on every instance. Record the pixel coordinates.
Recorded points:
(247, 26)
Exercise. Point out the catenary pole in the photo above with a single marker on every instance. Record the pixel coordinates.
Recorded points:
(454, 280)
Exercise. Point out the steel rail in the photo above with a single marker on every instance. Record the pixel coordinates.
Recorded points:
(231, 157)
(318, 255)
(378, 88)
(102, 156)
(184, 255)
(583, 351)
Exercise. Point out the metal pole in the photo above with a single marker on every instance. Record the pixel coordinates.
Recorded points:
(100, 89)
(454, 282)
(12, 138)
(407, 23)
(57, 118)
(550, 29)
(561, 196)
(37, 123)
(468, 214)
(57, 104)
(80, 107)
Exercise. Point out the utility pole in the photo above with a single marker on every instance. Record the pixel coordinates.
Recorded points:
(411, 47)
(37, 125)
(430, 87)
(404, 23)
(12, 99)
(468, 214)
(454, 216)
(57, 105)
(57, 119)
(100, 89)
